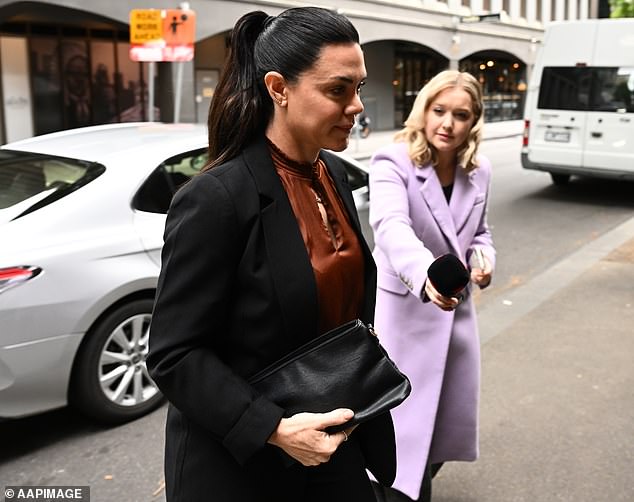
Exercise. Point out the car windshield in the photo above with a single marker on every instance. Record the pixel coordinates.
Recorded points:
(30, 181)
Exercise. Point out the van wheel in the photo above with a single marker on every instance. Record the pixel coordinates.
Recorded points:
(560, 179)
(110, 381)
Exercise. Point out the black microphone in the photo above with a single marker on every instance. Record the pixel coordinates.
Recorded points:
(448, 275)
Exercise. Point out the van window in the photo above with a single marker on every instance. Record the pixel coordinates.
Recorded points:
(565, 88)
(614, 90)
(606, 89)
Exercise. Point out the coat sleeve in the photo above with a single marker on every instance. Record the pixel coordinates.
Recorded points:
(189, 322)
(391, 221)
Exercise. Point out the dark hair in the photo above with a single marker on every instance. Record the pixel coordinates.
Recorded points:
(289, 43)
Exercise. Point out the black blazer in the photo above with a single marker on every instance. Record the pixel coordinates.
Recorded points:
(237, 292)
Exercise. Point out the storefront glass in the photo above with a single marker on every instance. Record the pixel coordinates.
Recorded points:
(503, 79)
(414, 66)
(79, 76)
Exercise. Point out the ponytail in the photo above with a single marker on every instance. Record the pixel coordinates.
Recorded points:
(239, 110)
(289, 43)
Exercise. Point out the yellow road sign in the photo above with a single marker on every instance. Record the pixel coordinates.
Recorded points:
(146, 25)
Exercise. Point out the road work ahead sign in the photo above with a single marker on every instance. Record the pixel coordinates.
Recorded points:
(162, 34)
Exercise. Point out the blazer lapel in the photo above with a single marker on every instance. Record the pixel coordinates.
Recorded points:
(291, 269)
(463, 198)
(434, 197)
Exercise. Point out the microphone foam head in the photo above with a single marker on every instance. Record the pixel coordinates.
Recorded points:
(448, 275)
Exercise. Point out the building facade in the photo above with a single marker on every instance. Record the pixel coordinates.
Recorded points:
(65, 63)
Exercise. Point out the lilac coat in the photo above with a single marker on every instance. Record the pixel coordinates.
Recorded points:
(412, 225)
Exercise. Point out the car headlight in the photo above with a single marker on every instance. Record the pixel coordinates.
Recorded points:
(14, 276)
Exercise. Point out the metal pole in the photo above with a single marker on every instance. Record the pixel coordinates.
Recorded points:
(179, 87)
(150, 107)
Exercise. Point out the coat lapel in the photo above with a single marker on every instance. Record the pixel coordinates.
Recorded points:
(463, 198)
(291, 269)
(435, 199)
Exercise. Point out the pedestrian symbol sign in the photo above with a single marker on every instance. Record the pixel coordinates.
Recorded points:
(178, 27)
(162, 34)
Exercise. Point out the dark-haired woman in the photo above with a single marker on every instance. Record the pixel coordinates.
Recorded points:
(263, 251)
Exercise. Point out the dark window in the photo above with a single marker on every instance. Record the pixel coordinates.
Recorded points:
(13, 28)
(587, 89)
(155, 195)
(76, 82)
(74, 31)
(107, 34)
(104, 106)
(46, 82)
(565, 88)
(30, 181)
(613, 90)
(38, 29)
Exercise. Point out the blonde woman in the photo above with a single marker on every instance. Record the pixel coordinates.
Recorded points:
(429, 197)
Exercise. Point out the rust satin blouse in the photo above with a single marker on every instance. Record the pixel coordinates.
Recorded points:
(331, 242)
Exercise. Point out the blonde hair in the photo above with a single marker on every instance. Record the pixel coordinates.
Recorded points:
(420, 151)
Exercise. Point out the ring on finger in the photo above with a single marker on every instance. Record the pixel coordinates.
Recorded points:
(345, 436)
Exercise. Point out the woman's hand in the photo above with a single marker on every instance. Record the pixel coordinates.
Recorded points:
(482, 276)
(444, 302)
(303, 435)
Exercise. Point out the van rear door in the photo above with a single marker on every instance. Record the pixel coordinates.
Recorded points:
(610, 136)
(558, 125)
(558, 119)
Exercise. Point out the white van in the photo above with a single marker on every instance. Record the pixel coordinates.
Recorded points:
(579, 112)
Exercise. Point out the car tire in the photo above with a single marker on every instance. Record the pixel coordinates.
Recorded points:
(560, 179)
(110, 381)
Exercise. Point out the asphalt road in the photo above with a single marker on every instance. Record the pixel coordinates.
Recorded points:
(536, 226)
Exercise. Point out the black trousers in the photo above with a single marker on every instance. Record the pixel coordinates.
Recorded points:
(387, 494)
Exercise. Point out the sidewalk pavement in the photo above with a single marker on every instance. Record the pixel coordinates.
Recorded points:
(557, 403)
(363, 148)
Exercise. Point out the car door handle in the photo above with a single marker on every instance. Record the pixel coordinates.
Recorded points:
(596, 134)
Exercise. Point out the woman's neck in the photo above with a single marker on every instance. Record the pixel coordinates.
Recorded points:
(285, 141)
(446, 169)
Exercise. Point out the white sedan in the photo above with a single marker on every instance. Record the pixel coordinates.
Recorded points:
(81, 228)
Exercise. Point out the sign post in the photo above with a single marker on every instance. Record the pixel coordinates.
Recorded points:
(162, 35)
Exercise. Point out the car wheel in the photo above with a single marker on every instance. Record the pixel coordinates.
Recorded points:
(560, 179)
(110, 380)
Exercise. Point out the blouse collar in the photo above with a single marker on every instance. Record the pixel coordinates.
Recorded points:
(304, 169)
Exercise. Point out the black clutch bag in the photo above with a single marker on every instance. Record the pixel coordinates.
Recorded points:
(344, 368)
